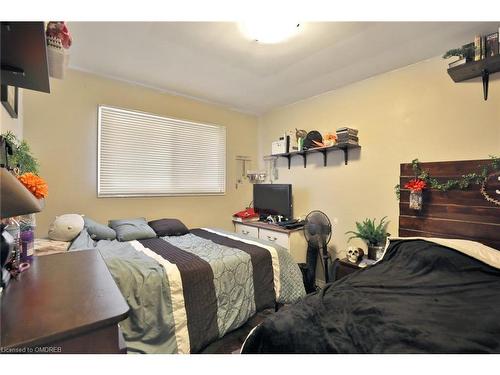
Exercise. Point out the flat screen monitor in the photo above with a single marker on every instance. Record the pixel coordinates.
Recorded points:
(273, 199)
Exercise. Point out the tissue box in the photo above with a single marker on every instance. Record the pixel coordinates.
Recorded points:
(278, 147)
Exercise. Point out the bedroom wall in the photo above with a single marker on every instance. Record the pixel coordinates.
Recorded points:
(414, 112)
(62, 131)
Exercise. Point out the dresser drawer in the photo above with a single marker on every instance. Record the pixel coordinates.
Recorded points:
(275, 237)
(246, 230)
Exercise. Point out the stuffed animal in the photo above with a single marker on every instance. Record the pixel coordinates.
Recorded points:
(66, 227)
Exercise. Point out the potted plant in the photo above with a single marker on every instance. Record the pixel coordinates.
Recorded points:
(375, 236)
(58, 42)
(25, 167)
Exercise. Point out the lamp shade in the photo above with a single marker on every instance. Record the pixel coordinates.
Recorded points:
(15, 199)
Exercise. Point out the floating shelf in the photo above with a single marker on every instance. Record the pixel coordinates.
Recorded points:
(481, 68)
(323, 150)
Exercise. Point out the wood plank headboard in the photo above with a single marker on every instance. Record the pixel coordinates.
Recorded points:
(463, 214)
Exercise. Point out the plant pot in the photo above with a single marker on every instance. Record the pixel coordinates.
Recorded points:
(58, 58)
(375, 251)
(416, 200)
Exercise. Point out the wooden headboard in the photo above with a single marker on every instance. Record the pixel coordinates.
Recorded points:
(464, 214)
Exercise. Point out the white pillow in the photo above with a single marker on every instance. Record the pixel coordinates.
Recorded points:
(66, 227)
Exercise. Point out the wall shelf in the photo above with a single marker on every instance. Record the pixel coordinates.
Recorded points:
(323, 150)
(481, 68)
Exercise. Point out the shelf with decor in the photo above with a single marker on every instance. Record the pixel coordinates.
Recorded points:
(323, 150)
(481, 68)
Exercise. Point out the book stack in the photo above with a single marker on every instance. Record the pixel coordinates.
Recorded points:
(347, 135)
(486, 46)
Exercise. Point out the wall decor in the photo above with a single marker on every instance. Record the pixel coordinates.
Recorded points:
(9, 99)
(486, 194)
(416, 186)
(481, 178)
(59, 40)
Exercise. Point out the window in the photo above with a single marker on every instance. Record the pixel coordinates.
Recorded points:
(141, 154)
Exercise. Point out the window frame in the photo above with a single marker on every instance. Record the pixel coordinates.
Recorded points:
(145, 195)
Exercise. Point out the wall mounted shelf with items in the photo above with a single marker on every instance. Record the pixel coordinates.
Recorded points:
(481, 68)
(323, 150)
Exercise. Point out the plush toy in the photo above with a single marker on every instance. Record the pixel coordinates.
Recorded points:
(66, 227)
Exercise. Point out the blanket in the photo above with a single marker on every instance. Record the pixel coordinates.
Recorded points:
(187, 291)
(422, 297)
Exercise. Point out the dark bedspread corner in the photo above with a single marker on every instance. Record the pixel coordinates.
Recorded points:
(421, 298)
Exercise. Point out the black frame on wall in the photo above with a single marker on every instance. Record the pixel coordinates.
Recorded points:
(9, 96)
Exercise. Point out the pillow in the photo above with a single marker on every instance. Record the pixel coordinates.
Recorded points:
(168, 227)
(132, 229)
(98, 231)
(66, 227)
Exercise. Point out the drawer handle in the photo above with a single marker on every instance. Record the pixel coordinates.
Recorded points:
(245, 232)
(271, 238)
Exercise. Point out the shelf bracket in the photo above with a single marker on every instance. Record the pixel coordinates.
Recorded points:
(486, 81)
(304, 157)
(325, 158)
(346, 155)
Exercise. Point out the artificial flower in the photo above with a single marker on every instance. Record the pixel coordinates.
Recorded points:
(59, 30)
(416, 185)
(35, 184)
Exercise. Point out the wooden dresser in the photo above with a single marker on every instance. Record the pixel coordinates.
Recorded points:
(64, 303)
(291, 239)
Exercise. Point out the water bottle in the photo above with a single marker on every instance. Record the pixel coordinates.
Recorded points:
(12, 227)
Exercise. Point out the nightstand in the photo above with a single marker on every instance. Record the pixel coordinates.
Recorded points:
(342, 268)
(64, 303)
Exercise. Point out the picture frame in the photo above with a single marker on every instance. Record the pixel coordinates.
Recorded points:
(9, 98)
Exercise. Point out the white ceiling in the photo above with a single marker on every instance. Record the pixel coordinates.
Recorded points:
(213, 61)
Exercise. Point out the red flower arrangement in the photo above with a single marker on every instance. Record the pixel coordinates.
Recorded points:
(35, 184)
(59, 30)
(416, 185)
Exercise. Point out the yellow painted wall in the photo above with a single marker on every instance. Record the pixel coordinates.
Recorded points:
(62, 131)
(414, 112)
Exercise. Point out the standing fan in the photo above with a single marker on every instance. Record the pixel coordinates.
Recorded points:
(318, 232)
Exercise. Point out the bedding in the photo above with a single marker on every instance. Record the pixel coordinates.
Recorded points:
(187, 291)
(168, 227)
(422, 297)
(98, 231)
(132, 229)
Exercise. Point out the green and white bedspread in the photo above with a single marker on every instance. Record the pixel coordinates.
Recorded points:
(187, 291)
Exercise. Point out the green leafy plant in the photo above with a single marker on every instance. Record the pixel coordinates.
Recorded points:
(21, 154)
(370, 232)
(462, 52)
(462, 183)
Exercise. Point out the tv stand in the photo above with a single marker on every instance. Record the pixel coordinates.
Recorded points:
(291, 239)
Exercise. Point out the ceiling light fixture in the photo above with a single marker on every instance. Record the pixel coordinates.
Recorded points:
(269, 32)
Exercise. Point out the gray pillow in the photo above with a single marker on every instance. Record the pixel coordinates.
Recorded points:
(98, 231)
(132, 229)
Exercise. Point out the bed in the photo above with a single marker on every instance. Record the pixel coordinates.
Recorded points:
(185, 292)
(428, 294)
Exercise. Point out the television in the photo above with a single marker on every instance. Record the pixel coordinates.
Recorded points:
(273, 199)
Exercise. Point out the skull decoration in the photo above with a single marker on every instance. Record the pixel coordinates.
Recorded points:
(354, 254)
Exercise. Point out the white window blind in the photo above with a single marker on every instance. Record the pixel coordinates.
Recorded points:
(142, 154)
